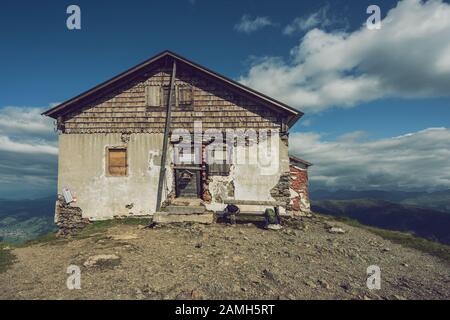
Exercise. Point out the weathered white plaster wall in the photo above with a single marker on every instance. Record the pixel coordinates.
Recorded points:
(251, 181)
(82, 169)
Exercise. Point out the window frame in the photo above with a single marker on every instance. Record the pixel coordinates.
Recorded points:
(188, 88)
(157, 100)
(177, 98)
(222, 168)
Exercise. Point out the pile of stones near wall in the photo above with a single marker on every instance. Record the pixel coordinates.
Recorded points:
(69, 219)
(280, 191)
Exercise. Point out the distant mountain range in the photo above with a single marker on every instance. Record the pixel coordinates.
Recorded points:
(437, 200)
(426, 214)
(22, 220)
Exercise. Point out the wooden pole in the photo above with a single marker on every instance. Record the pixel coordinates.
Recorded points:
(162, 171)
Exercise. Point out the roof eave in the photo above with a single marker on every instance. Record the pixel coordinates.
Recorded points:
(306, 163)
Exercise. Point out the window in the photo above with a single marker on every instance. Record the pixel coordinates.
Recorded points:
(152, 96)
(219, 169)
(184, 96)
(117, 162)
(165, 96)
(219, 161)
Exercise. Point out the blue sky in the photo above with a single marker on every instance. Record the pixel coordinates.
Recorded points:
(42, 62)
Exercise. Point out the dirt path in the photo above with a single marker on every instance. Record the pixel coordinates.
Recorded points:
(223, 262)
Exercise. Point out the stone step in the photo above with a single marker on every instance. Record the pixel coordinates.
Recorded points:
(165, 217)
(184, 209)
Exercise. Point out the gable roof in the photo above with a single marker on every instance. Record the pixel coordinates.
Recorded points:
(62, 108)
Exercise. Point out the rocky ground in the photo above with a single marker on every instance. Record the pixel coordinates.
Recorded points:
(304, 260)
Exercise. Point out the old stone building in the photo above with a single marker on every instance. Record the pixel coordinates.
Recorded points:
(169, 136)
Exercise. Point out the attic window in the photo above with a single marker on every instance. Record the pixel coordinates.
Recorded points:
(165, 95)
(185, 95)
(117, 162)
(152, 96)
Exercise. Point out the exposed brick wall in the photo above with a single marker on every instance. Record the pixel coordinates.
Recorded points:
(299, 189)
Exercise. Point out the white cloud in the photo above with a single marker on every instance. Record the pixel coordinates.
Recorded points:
(25, 120)
(247, 24)
(408, 57)
(419, 160)
(25, 147)
(320, 18)
(28, 153)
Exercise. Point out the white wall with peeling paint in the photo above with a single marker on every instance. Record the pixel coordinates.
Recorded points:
(251, 181)
(82, 169)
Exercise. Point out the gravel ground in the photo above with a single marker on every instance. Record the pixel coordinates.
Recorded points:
(302, 261)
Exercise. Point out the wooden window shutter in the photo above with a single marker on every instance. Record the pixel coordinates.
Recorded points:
(152, 96)
(185, 95)
(164, 96)
(117, 162)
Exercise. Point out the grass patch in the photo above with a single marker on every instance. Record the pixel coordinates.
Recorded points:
(49, 238)
(436, 249)
(96, 228)
(6, 258)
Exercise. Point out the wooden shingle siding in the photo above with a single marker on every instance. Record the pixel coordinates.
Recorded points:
(138, 107)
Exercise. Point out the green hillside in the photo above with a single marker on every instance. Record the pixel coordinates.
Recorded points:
(427, 223)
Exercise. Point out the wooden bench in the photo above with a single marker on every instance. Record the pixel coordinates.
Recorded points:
(257, 213)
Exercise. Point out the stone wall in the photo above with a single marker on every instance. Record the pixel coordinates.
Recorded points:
(69, 218)
(280, 191)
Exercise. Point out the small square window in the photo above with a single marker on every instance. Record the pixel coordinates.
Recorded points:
(117, 162)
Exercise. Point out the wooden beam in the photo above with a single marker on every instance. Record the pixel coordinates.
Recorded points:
(162, 171)
(254, 202)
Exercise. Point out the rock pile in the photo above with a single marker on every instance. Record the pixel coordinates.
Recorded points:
(102, 260)
(69, 219)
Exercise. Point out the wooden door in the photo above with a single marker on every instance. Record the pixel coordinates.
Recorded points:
(187, 182)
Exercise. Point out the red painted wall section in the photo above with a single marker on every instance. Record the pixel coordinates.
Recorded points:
(299, 190)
